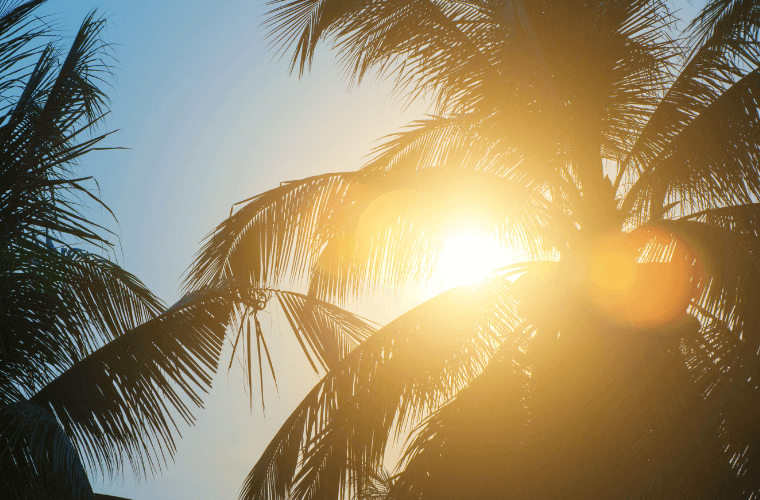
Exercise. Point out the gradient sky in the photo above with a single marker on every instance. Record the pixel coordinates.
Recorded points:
(210, 119)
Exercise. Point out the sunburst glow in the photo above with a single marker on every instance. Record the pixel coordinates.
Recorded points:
(468, 258)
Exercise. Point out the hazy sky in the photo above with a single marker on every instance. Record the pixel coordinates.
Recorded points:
(211, 119)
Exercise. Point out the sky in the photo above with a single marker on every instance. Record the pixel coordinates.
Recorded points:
(210, 118)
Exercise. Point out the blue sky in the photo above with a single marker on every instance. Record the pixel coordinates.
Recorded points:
(211, 119)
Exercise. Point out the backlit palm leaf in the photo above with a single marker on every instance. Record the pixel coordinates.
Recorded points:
(617, 146)
(408, 367)
(308, 226)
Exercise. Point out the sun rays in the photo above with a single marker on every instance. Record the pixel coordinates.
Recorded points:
(469, 257)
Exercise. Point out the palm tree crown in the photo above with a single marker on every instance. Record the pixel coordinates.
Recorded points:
(622, 157)
(94, 370)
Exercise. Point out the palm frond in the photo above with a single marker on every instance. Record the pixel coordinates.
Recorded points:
(393, 231)
(20, 35)
(726, 274)
(285, 232)
(742, 220)
(377, 486)
(494, 142)
(407, 368)
(59, 305)
(37, 459)
(717, 62)
(459, 140)
(120, 402)
(40, 140)
(722, 362)
(448, 431)
(712, 161)
(325, 332)
(267, 234)
(329, 331)
(371, 34)
(724, 20)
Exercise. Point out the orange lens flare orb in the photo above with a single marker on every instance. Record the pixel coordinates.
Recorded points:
(646, 294)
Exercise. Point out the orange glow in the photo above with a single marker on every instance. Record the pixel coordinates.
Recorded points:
(613, 272)
(645, 294)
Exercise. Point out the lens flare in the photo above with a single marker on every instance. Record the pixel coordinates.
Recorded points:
(651, 291)
(468, 258)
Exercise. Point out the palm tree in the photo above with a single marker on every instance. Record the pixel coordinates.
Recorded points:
(94, 370)
(622, 157)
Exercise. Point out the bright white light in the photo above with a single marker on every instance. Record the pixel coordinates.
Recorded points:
(468, 258)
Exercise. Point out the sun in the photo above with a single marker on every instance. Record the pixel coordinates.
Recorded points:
(468, 258)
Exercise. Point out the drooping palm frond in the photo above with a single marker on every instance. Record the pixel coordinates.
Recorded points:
(295, 229)
(408, 367)
(58, 306)
(377, 485)
(37, 459)
(392, 233)
(742, 220)
(124, 400)
(330, 332)
(724, 52)
(325, 332)
(40, 141)
(121, 401)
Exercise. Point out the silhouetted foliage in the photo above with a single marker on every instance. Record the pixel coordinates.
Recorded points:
(621, 156)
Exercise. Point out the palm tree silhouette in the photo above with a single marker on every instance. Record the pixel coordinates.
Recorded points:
(622, 156)
(95, 371)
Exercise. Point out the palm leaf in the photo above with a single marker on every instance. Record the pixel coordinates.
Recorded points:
(121, 401)
(393, 231)
(268, 233)
(325, 332)
(39, 140)
(717, 62)
(712, 161)
(726, 275)
(344, 423)
(58, 306)
(37, 458)
(283, 232)
(742, 220)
